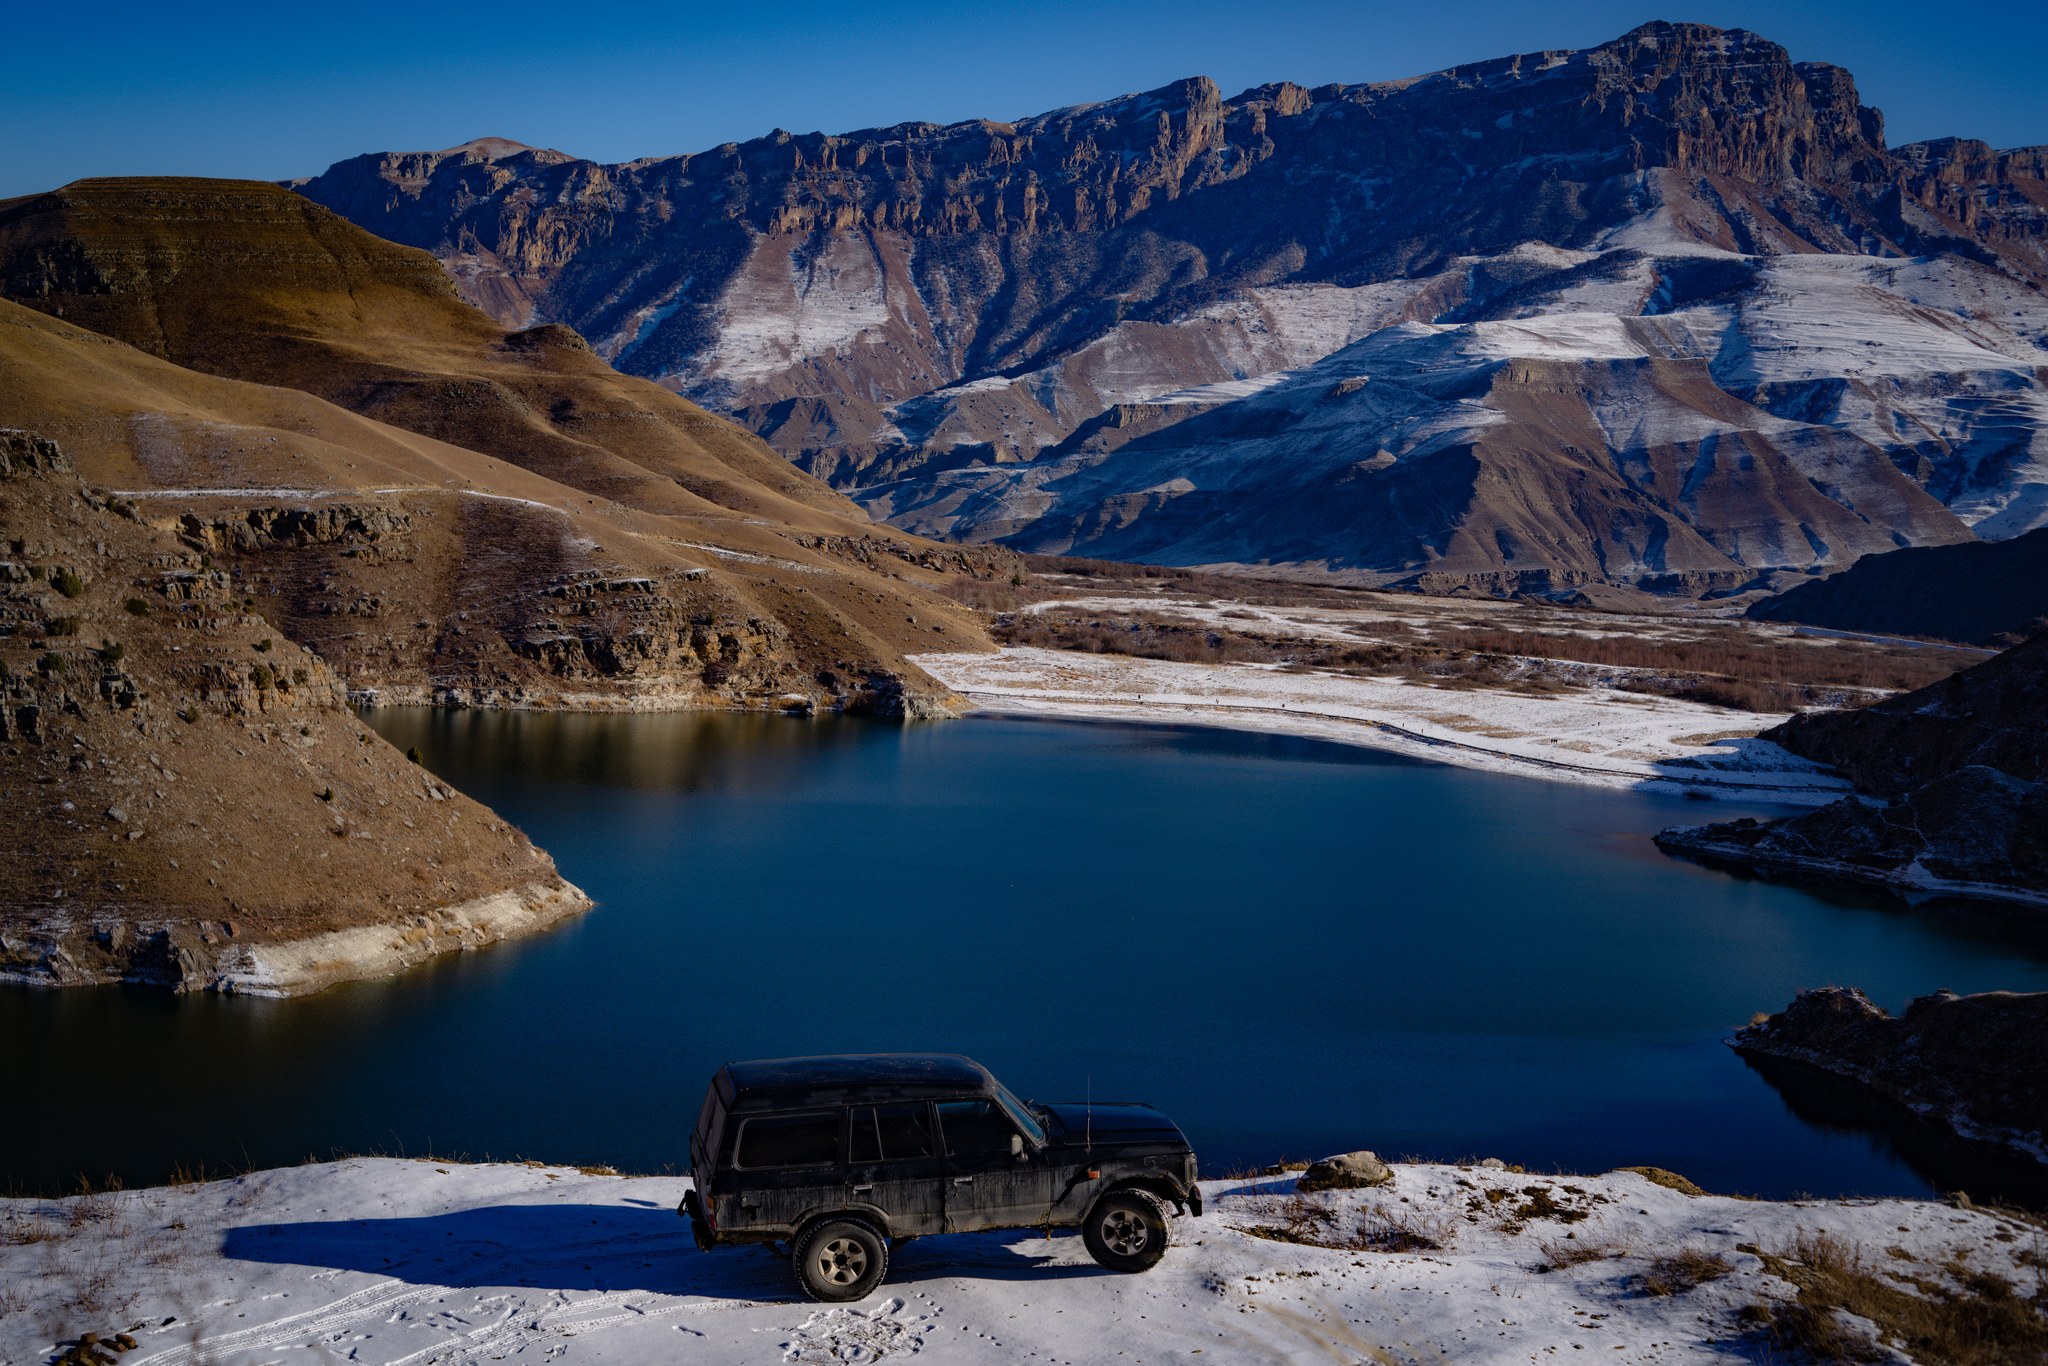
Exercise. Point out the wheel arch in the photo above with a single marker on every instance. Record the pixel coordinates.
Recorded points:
(862, 1214)
(1158, 1187)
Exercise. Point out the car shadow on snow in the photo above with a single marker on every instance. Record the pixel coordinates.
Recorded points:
(615, 1248)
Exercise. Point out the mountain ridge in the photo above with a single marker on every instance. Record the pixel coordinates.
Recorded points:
(936, 317)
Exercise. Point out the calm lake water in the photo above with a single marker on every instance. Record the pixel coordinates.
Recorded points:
(1291, 947)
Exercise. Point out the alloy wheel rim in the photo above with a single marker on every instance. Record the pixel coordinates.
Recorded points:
(842, 1261)
(1125, 1233)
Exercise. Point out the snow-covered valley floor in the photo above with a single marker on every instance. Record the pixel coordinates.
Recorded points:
(1595, 735)
(390, 1260)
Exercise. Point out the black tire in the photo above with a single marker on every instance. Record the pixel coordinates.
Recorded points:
(1126, 1231)
(837, 1260)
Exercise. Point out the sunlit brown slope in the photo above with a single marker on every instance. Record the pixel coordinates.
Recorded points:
(190, 802)
(519, 522)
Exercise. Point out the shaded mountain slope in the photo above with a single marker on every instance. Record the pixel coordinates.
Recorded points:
(991, 330)
(191, 801)
(1956, 777)
(467, 513)
(1983, 594)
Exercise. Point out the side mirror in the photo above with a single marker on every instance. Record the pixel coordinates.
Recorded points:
(1017, 1146)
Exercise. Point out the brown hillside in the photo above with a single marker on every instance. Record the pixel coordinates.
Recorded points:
(518, 522)
(190, 800)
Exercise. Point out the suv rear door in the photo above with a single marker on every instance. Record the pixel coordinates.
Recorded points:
(893, 1164)
(987, 1184)
(786, 1165)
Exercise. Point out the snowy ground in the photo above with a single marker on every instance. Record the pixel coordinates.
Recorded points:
(1596, 736)
(422, 1262)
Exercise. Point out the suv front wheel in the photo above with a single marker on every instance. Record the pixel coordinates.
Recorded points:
(840, 1259)
(1126, 1231)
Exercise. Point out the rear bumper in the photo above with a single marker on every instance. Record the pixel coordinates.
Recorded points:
(700, 1227)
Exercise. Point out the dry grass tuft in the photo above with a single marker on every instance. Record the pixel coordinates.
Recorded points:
(1569, 1251)
(20, 1230)
(1980, 1320)
(1378, 1227)
(1685, 1270)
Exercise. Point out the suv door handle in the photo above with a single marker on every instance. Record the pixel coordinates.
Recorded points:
(862, 1190)
(963, 1180)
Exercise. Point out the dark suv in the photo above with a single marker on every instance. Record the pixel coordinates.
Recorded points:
(845, 1156)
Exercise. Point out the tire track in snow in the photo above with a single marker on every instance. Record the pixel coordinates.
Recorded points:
(384, 1301)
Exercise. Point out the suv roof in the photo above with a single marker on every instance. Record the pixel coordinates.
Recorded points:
(844, 1077)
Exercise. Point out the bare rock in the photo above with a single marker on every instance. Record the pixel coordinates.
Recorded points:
(1346, 1171)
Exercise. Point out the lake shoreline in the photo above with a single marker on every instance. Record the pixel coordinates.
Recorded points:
(1463, 727)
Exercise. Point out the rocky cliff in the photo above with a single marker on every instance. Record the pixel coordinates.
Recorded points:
(191, 803)
(1975, 1064)
(1665, 310)
(444, 509)
(1952, 782)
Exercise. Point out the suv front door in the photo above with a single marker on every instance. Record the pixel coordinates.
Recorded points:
(893, 1164)
(988, 1184)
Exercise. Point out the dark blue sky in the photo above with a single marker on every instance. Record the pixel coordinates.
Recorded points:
(277, 90)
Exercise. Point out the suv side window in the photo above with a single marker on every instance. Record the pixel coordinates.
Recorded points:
(975, 1128)
(892, 1133)
(789, 1141)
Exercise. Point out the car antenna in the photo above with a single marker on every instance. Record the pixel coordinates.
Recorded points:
(1088, 1121)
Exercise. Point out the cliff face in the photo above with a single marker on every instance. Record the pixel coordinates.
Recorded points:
(943, 321)
(443, 509)
(191, 802)
(1959, 774)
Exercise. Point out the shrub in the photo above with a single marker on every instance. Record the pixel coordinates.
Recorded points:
(263, 646)
(112, 651)
(1683, 1270)
(1979, 1322)
(68, 583)
(62, 626)
(135, 607)
(50, 664)
(262, 676)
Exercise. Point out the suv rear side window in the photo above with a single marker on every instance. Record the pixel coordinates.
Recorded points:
(789, 1141)
(975, 1128)
(892, 1133)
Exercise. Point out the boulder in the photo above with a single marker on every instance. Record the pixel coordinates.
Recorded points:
(1346, 1171)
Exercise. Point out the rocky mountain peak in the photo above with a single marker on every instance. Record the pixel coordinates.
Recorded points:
(959, 324)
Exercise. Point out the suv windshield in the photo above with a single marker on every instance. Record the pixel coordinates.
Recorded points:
(1033, 1130)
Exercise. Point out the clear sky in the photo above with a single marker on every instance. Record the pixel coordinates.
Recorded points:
(281, 89)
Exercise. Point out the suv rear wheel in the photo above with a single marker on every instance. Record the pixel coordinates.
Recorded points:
(840, 1259)
(1126, 1231)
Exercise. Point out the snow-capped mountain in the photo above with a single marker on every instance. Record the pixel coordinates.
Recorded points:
(1665, 311)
